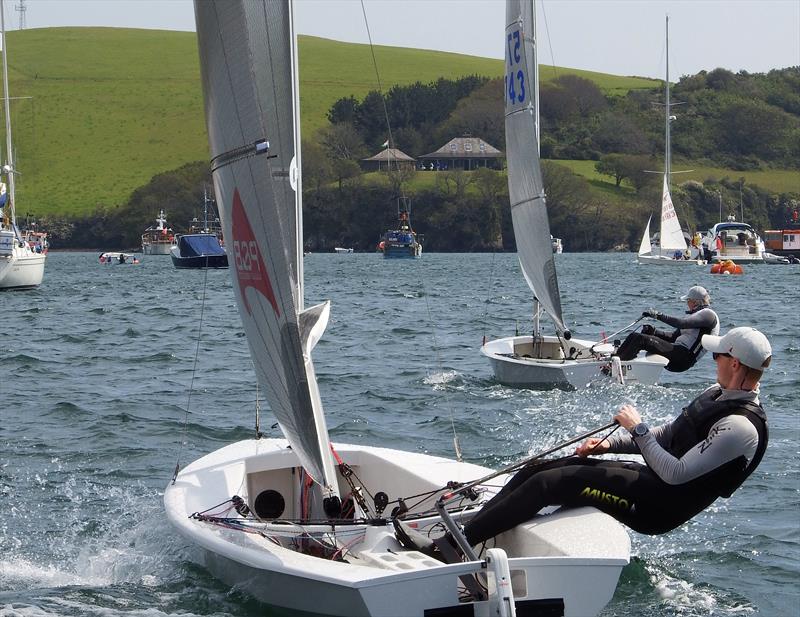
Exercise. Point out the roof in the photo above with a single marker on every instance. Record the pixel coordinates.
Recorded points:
(390, 154)
(464, 148)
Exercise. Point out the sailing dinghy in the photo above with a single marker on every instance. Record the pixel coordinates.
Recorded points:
(672, 249)
(538, 360)
(300, 523)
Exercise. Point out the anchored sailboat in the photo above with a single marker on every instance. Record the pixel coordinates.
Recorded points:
(672, 249)
(300, 523)
(537, 360)
(21, 265)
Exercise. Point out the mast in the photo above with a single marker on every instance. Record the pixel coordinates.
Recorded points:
(668, 153)
(296, 164)
(9, 166)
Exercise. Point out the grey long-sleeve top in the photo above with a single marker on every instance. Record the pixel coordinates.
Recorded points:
(690, 327)
(729, 438)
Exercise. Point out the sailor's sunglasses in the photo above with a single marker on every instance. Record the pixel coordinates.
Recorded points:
(717, 355)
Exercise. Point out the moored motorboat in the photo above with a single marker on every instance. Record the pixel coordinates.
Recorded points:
(734, 240)
(158, 239)
(401, 242)
(201, 250)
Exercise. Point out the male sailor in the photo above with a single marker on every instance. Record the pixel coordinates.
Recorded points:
(681, 346)
(715, 443)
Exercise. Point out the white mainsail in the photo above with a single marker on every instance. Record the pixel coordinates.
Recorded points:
(249, 73)
(671, 235)
(525, 185)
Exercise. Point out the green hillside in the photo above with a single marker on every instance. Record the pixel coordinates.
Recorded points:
(111, 107)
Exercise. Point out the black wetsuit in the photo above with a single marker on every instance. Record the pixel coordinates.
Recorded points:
(682, 347)
(705, 453)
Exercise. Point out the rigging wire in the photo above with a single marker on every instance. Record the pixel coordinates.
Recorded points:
(448, 401)
(194, 373)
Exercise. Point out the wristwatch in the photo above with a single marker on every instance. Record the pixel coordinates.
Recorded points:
(640, 430)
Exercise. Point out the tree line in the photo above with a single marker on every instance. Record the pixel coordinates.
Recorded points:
(741, 121)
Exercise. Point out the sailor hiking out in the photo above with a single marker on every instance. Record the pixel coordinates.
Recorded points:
(682, 347)
(707, 452)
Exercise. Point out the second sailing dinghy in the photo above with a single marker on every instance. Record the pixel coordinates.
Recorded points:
(537, 360)
(300, 523)
(672, 249)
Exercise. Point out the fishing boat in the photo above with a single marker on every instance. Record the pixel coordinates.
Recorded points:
(304, 525)
(672, 249)
(21, 264)
(158, 239)
(203, 245)
(538, 360)
(401, 242)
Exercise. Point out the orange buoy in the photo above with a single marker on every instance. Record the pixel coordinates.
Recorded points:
(726, 267)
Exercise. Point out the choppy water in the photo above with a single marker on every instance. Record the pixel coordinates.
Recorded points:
(95, 375)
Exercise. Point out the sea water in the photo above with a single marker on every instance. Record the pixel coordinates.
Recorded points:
(110, 375)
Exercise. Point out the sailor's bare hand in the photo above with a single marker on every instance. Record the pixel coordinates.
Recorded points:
(592, 446)
(627, 417)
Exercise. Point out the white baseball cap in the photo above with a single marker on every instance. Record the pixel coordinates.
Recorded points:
(698, 294)
(747, 345)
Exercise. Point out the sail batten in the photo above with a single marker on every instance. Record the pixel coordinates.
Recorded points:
(525, 184)
(247, 59)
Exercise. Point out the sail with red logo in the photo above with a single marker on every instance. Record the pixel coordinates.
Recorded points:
(254, 136)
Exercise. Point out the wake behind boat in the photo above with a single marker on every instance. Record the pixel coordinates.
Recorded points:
(537, 360)
(299, 523)
(21, 264)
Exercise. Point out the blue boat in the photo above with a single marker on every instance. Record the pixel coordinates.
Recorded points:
(199, 251)
(401, 242)
(203, 246)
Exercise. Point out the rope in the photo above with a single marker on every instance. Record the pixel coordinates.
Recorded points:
(191, 383)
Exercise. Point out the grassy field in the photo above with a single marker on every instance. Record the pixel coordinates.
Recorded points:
(98, 111)
(776, 180)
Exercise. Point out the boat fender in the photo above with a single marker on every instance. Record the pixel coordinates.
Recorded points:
(269, 504)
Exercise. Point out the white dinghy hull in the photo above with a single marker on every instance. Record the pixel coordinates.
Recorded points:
(515, 363)
(663, 260)
(546, 556)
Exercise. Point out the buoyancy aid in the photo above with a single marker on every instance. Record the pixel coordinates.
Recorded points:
(694, 425)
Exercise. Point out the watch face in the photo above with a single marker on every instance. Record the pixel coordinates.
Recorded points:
(640, 429)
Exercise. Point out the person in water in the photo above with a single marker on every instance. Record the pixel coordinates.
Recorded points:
(707, 452)
(681, 346)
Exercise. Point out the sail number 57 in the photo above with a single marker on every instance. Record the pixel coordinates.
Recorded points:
(515, 75)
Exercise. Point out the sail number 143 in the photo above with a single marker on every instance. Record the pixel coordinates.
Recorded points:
(515, 83)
